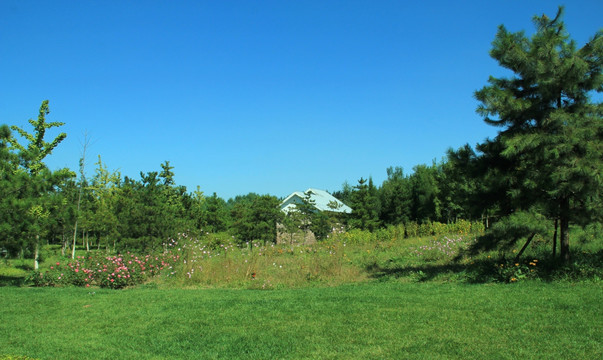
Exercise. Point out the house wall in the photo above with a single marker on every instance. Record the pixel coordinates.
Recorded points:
(299, 237)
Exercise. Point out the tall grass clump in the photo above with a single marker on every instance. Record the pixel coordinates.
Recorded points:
(255, 265)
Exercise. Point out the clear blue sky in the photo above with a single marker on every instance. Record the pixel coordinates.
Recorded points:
(260, 96)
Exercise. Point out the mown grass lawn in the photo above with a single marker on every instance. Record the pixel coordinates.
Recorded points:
(376, 320)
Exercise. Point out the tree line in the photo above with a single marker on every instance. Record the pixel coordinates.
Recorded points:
(544, 166)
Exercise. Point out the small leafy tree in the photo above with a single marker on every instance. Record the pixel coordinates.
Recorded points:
(102, 217)
(34, 199)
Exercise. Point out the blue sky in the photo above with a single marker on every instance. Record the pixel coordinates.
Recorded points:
(259, 96)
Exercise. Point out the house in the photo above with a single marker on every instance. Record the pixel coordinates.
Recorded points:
(322, 201)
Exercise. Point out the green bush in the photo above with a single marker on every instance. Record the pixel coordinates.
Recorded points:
(460, 227)
(425, 229)
(412, 229)
(510, 272)
(355, 236)
(390, 233)
(477, 227)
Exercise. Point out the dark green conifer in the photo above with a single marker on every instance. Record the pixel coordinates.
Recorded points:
(551, 130)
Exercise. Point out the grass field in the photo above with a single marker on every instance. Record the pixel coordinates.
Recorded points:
(377, 320)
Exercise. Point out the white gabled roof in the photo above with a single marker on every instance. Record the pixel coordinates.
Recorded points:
(321, 198)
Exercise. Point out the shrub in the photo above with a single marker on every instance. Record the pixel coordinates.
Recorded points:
(460, 227)
(113, 272)
(390, 233)
(510, 272)
(412, 229)
(355, 236)
(477, 227)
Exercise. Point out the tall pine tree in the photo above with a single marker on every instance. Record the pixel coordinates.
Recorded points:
(551, 130)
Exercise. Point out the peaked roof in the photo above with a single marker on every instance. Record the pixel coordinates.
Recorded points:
(321, 198)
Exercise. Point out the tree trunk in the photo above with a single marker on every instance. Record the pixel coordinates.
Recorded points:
(37, 253)
(74, 239)
(525, 246)
(555, 238)
(64, 244)
(564, 231)
(79, 195)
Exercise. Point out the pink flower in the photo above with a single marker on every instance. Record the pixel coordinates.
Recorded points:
(58, 263)
(112, 280)
(77, 270)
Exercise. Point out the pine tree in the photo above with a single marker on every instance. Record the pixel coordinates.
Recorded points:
(552, 132)
(395, 194)
(365, 206)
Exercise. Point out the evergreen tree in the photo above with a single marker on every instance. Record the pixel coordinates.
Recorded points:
(395, 195)
(365, 206)
(215, 214)
(255, 217)
(458, 183)
(552, 132)
(425, 193)
(12, 182)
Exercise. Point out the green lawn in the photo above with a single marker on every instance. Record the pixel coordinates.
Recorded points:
(376, 320)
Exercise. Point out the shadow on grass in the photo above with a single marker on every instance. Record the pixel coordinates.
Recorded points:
(7, 280)
(26, 267)
(583, 266)
(476, 273)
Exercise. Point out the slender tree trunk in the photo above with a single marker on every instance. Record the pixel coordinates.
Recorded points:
(74, 238)
(79, 196)
(37, 253)
(555, 238)
(64, 246)
(525, 246)
(564, 231)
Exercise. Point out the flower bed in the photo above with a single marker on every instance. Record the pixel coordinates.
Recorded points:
(113, 272)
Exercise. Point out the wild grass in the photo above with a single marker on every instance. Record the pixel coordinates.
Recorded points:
(359, 256)
(214, 261)
(371, 320)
